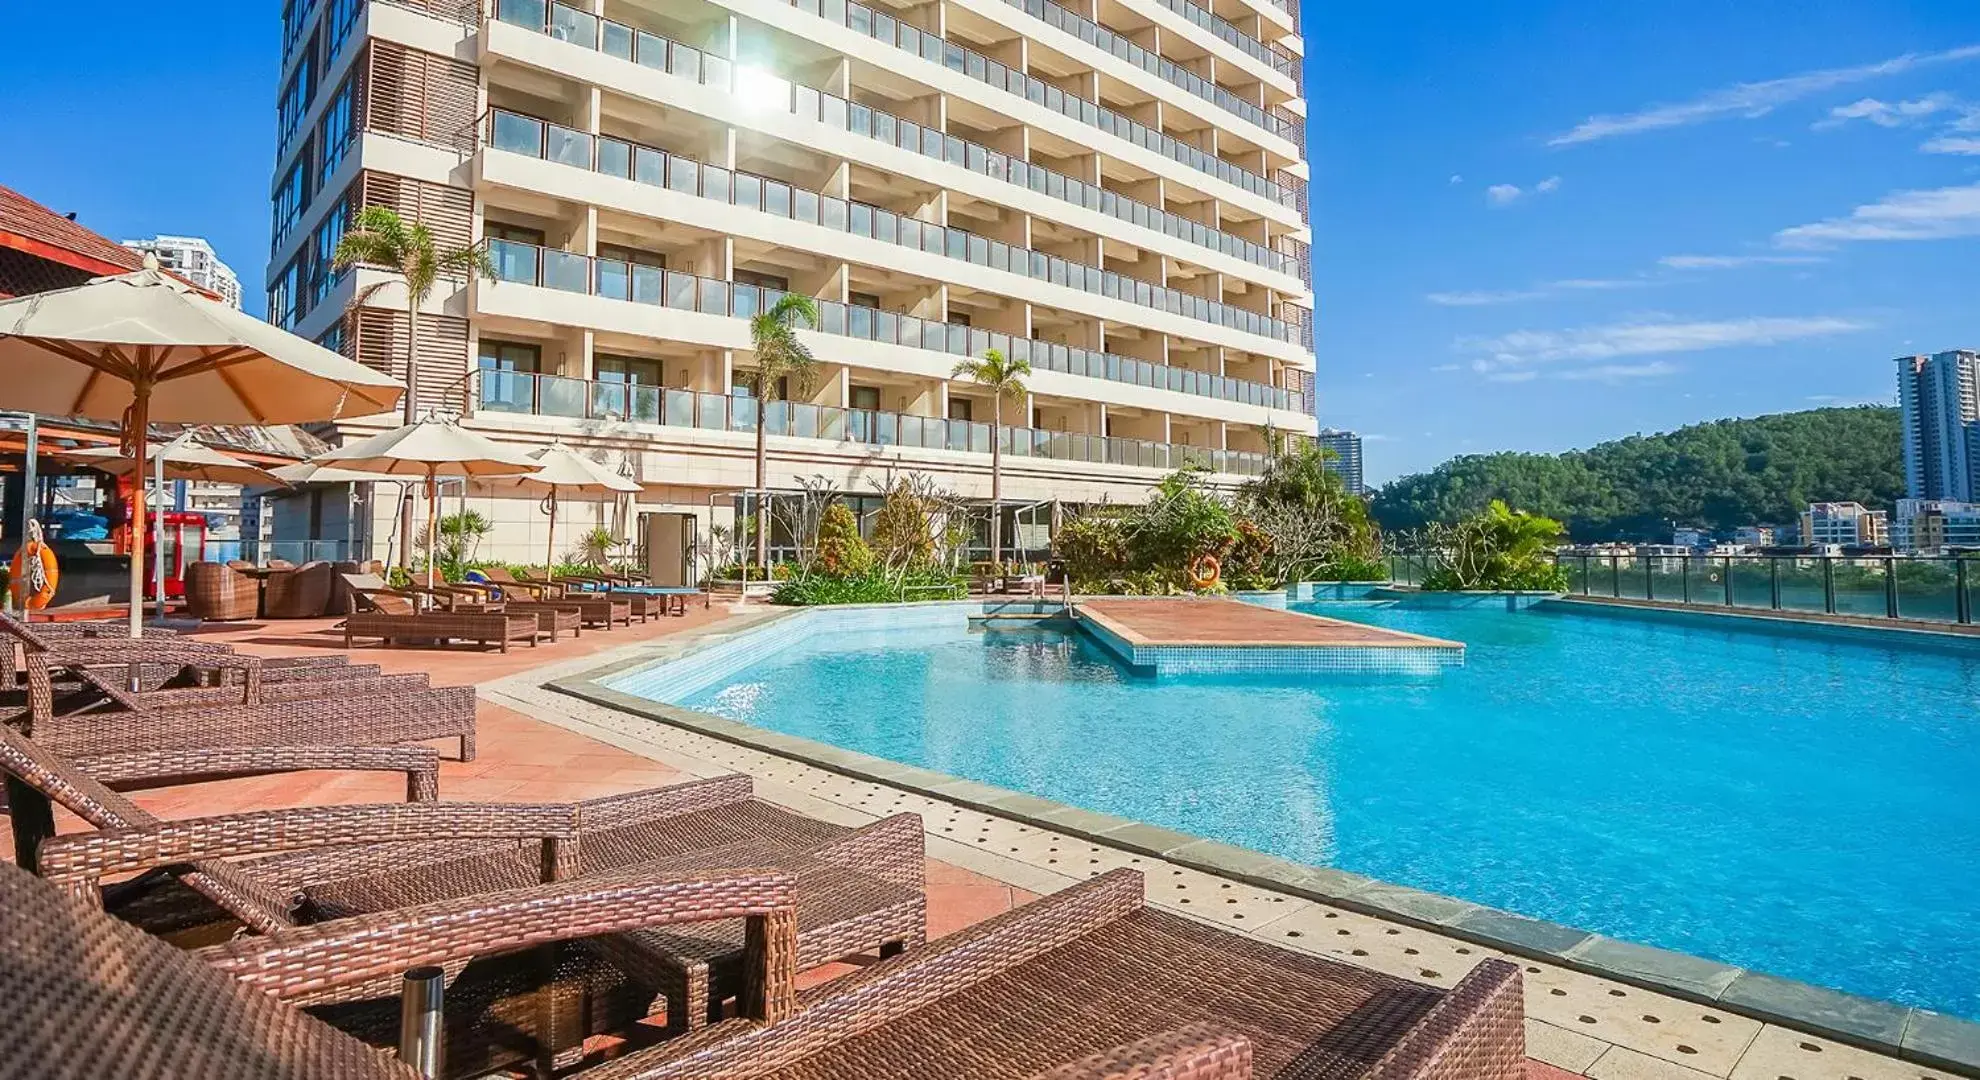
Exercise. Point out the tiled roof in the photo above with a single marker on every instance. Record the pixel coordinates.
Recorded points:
(32, 227)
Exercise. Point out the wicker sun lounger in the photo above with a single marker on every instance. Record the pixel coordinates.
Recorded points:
(393, 617)
(598, 610)
(553, 617)
(862, 889)
(83, 996)
(1093, 977)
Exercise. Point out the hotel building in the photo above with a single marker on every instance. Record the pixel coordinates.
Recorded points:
(1114, 190)
(1939, 407)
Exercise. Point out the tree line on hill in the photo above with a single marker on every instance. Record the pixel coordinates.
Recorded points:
(1717, 475)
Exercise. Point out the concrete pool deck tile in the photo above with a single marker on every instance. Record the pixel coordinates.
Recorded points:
(1780, 1053)
(1242, 863)
(1622, 1063)
(1413, 904)
(1642, 963)
(1153, 839)
(1941, 1040)
(1645, 1021)
(1847, 1015)
(1505, 927)
(1563, 1049)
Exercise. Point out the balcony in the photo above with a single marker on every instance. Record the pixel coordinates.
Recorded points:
(1277, 59)
(526, 135)
(589, 31)
(1284, 126)
(579, 399)
(568, 272)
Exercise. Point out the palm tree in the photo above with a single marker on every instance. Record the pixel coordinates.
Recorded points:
(1004, 379)
(779, 356)
(378, 236)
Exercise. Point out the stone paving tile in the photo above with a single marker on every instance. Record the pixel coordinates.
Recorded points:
(1569, 1051)
(1780, 1054)
(1680, 1032)
(1622, 1063)
(1364, 941)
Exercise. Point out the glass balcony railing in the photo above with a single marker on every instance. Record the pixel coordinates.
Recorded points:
(516, 133)
(888, 30)
(1279, 123)
(589, 31)
(610, 278)
(806, 103)
(1278, 59)
(577, 399)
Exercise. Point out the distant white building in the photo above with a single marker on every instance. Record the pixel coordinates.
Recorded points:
(1691, 538)
(1844, 524)
(1939, 407)
(1754, 536)
(1346, 462)
(1934, 526)
(193, 259)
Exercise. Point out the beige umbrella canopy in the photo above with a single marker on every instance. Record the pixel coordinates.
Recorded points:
(429, 449)
(146, 347)
(563, 471)
(180, 459)
(310, 472)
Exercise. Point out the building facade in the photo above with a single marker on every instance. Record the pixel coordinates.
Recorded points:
(1122, 203)
(1345, 447)
(1939, 405)
(193, 259)
(1935, 526)
(1844, 524)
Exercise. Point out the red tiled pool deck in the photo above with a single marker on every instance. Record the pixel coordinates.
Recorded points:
(1219, 622)
(1579, 1024)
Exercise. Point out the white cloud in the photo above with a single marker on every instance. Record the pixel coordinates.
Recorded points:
(1503, 194)
(1526, 350)
(1548, 186)
(1490, 297)
(1937, 214)
(1884, 114)
(1456, 179)
(1512, 376)
(1734, 262)
(1750, 100)
(1968, 145)
(1620, 372)
(1447, 367)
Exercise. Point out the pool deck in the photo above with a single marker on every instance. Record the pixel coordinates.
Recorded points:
(540, 745)
(1220, 636)
(1215, 622)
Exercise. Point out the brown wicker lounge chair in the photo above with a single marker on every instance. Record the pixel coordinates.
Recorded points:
(216, 592)
(83, 996)
(1093, 977)
(598, 610)
(392, 616)
(861, 889)
(301, 593)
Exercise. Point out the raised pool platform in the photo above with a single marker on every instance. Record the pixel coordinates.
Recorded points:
(1216, 636)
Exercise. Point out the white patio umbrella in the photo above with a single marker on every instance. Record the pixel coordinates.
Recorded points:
(429, 449)
(312, 472)
(563, 471)
(180, 459)
(145, 347)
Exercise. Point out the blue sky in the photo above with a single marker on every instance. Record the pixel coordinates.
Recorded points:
(1538, 224)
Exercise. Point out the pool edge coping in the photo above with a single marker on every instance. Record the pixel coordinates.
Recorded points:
(1905, 1032)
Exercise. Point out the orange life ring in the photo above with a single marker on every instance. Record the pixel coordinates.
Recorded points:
(1204, 571)
(27, 596)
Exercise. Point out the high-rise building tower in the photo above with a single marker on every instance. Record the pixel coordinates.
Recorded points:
(193, 259)
(1123, 203)
(1939, 404)
(1346, 460)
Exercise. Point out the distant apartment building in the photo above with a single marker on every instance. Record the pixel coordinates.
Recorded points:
(1935, 526)
(1115, 193)
(193, 259)
(1754, 536)
(1691, 539)
(1345, 461)
(1844, 524)
(1939, 402)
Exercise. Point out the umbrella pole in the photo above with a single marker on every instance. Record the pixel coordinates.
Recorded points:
(158, 532)
(432, 508)
(140, 423)
(550, 548)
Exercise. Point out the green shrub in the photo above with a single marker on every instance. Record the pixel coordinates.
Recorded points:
(874, 586)
(841, 552)
(1498, 548)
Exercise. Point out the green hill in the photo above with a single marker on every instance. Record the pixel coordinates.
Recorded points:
(1717, 475)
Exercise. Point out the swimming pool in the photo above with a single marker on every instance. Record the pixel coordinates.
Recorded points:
(1802, 805)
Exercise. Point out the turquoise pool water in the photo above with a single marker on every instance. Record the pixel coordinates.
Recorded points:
(1804, 806)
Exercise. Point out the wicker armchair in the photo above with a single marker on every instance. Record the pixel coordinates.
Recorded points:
(220, 593)
(340, 598)
(132, 1006)
(301, 593)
